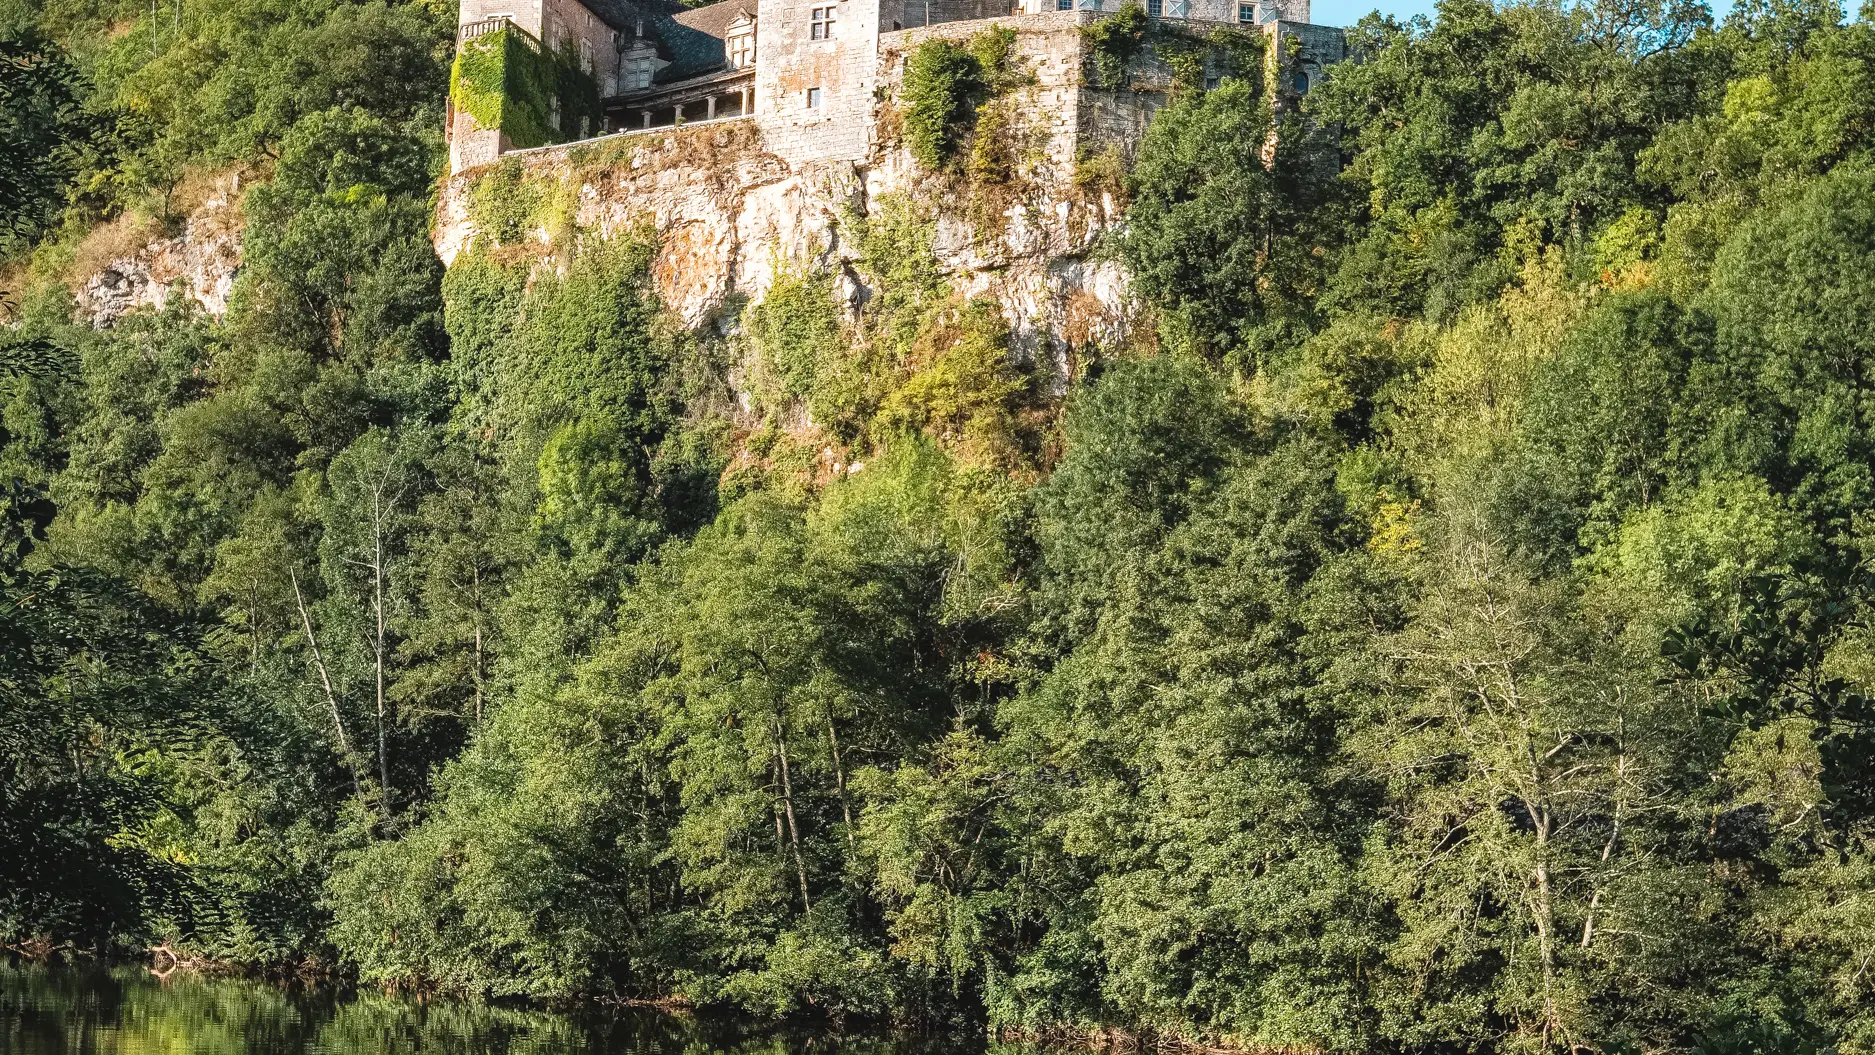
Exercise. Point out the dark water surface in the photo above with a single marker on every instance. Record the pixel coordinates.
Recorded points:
(127, 1011)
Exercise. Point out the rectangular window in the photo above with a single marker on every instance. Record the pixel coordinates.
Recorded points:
(1064, 5)
(585, 55)
(820, 25)
(813, 98)
(742, 51)
(1155, 8)
(1246, 12)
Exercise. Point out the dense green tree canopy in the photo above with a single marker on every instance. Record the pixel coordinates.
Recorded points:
(1449, 628)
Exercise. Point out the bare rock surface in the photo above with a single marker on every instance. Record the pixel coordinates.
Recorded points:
(730, 217)
(200, 262)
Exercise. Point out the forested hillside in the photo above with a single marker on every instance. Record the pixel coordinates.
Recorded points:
(1454, 630)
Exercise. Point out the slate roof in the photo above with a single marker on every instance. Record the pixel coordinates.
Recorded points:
(690, 38)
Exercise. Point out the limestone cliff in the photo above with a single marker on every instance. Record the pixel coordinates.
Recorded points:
(728, 210)
(199, 261)
(728, 214)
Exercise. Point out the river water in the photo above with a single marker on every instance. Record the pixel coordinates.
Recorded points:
(127, 1011)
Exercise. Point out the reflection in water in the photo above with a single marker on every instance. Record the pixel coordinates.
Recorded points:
(126, 1011)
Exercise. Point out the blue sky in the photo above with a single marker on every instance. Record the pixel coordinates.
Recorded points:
(1348, 12)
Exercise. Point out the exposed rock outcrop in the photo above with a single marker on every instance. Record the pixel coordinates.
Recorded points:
(199, 262)
(729, 215)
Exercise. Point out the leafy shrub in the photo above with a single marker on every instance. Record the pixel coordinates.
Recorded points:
(951, 93)
(798, 333)
(993, 154)
(1113, 42)
(795, 324)
(942, 83)
(994, 48)
(963, 385)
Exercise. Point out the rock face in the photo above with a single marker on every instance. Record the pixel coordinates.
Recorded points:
(729, 216)
(201, 263)
(729, 213)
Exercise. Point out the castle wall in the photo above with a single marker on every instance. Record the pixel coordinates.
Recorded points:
(566, 22)
(524, 13)
(790, 65)
(471, 145)
(1316, 47)
(1048, 46)
(911, 14)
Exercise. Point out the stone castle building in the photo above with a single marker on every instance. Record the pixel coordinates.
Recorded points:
(810, 73)
(759, 138)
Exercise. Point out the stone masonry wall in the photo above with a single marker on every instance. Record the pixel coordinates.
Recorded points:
(842, 70)
(910, 14)
(1048, 48)
(555, 22)
(566, 23)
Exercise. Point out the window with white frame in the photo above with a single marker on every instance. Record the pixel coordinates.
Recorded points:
(1246, 12)
(820, 24)
(638, 72)
(742, 51)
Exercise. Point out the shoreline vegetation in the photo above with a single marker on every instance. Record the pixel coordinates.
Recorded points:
(1447, 624)
(164, 963)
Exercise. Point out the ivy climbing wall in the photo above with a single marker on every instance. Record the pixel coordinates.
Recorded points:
(508, 91)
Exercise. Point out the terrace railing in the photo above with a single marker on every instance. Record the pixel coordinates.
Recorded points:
(482, 27)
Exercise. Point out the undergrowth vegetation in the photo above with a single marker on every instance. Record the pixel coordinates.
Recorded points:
(955, 100)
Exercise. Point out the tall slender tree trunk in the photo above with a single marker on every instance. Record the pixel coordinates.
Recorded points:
(325, 680)
(839, 775)
(1545, 912)
(377, 648)
(1608, 847)
(787, 801)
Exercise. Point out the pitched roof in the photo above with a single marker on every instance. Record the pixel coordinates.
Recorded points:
(690, 37)
(714, 19)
